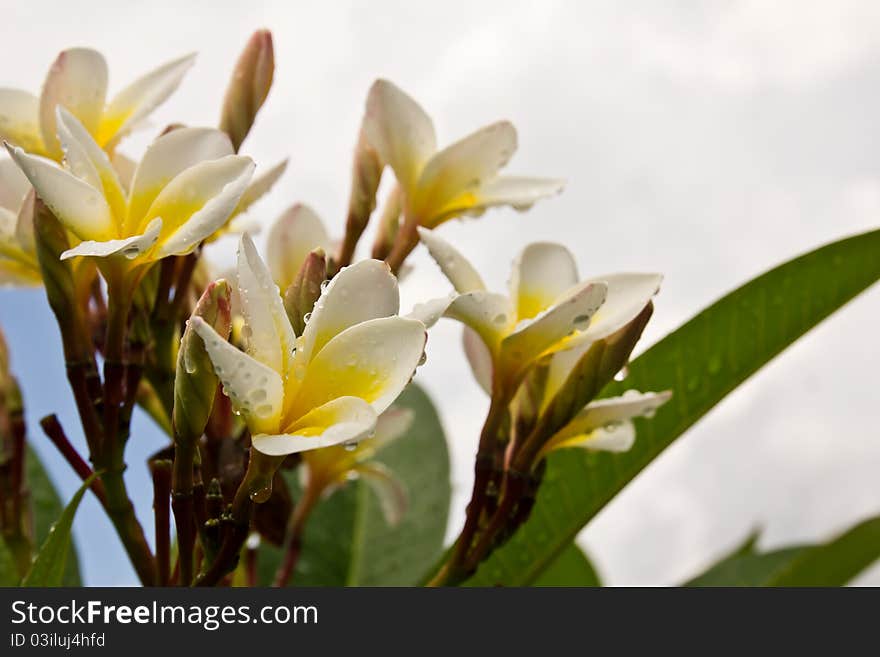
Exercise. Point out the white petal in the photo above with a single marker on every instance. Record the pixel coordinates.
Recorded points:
(487, 313)
(479, 357)
(429, 312)
(454, 265)
(78, 81)
(373, 360)
(20, 119)
(392, 424)
(24, 224)
(14, 186)
(608, 412)
(387, 488)
(199, 201)
(628, 294)
(342, 420)
(292, 237)
(400, 131)
(260, 186)
(463, 168)
(125, 168)
(88, 162)
(541, 274)
(519, 192)
(78, 205)
(619, 438)
(130, 247)
(270, 337)
(137, 100)
(365, 290)
(547, 331)
(255, 389)
(168, 156)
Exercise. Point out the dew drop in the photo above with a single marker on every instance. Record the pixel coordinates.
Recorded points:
(260, 495)
(622, 374)
(500, 318)
(350, 446)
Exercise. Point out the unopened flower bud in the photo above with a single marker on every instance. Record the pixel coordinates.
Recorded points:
(365, 176)
(249, 87)
(51, 241)
(195, 382)
(300, 297)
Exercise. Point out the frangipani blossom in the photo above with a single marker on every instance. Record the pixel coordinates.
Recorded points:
(329, 385)
(77, 81)
(329, 468)
(184, 189)
(295, 234)
(460, 179)
(548, 314)
(18, 258)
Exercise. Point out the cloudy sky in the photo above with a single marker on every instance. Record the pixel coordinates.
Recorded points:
(707, 141)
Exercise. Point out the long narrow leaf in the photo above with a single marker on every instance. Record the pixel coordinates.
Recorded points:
(51, 561)
(834, 563)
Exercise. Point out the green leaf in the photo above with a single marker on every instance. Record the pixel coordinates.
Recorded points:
(347, 541)
(50, 563)
(570, 568)
(747, 569)
(701, 362)
(834, 563)
(47, 508)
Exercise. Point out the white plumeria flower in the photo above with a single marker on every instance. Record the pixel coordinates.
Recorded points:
(461, 179)
(329, 385)
(77, 81)
(606, 424)
(184, 189)
(294, 235)
(548, 313)
(18, 258)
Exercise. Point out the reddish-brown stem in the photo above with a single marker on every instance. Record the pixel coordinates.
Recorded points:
(55, 432)
(406, 241)
(161, 471)
(484, 465)
(294, 534)
(181, 286)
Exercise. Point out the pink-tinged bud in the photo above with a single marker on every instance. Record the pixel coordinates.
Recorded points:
(300, 297)
(365, 176)
(249, 87)
(195, 382)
